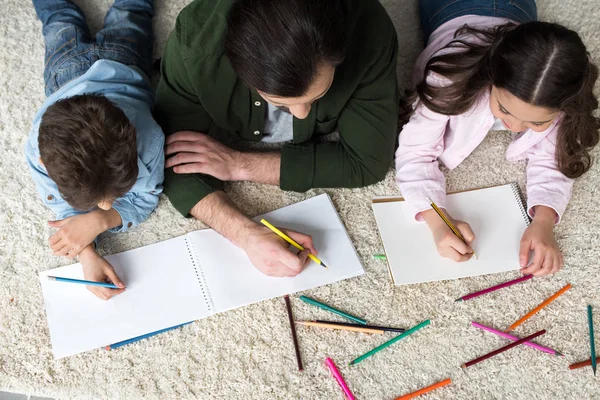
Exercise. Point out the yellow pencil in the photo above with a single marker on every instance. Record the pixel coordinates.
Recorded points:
(290, 241)
(450, 225)
(341, 327)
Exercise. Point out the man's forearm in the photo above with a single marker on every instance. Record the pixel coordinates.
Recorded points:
(218, 212)
(260, 167)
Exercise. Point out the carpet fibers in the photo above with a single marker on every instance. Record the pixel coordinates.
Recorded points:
(247, 353)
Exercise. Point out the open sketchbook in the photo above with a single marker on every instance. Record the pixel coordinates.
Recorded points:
(497, 215)
(189, 278)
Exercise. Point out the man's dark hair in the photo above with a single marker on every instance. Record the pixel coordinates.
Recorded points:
(88, 147)
(276, 46)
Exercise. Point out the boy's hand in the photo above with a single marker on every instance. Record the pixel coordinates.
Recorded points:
(539, 237)
(96, 268)
(76, 232)
(447, 243)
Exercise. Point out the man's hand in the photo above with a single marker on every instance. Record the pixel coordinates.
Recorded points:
(447, 243)
(195, 152)
(539, 237)
(271, 255)
(96, 268)
(76, 232)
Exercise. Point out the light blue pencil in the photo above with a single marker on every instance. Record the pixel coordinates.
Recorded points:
(82, 282)
(147, 335)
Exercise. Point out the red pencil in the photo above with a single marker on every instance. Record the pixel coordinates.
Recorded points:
(493, 288)
(503, 349)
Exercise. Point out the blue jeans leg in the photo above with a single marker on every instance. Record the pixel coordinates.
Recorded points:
(66, 34)
(434, 13)
(127, 34)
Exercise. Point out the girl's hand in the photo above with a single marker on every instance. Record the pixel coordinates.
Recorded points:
(447, 243)
(539, 237)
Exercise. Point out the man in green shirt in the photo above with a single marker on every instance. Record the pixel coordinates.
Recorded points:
(284, 71)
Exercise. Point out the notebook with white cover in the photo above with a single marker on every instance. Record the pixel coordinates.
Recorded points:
(497, 215)
(189, 278)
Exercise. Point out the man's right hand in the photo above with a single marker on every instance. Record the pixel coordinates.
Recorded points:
(96, 268)
(448, 244)
(271, 255)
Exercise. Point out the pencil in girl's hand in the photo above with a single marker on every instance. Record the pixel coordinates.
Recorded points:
(449, 223)
(494, 288)
(503, 349)
(592, 343)
(84, 282)
(538, 308)
(290, 241)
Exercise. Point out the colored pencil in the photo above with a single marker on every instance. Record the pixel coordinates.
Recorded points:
(338, 377)
(592, 344)
(582, 364)
(503, 349)
(390, 342)
(449, 224)
(288, 307)
(358, 328)
(380, 256)
(291, 241)
(333, 310)
(427, 389)
(515, 338)
(83, 282)
(494, 288)
(383, 328)
(138, 338)
(538, 308)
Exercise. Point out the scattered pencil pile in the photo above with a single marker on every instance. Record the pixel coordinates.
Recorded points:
(360, 325)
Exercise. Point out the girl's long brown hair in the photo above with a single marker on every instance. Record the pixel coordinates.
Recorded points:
(541, 63)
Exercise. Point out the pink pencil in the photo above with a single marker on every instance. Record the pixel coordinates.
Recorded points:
(493, 288)
(514, 338)
(338, 378)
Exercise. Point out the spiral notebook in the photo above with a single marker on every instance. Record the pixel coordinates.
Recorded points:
(189, 278)
(497, 215)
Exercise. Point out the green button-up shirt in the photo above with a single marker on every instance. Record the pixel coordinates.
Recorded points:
(200, 91)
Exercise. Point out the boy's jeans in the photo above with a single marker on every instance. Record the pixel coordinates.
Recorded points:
(70, 51)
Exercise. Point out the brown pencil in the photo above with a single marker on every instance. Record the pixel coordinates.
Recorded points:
(288, 306)
(503, 349)
(582, 364)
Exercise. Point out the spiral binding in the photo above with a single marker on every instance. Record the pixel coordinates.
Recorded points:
(200, 276)
(521, 201)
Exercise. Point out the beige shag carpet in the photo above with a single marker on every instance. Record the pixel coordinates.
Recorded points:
(247, 353)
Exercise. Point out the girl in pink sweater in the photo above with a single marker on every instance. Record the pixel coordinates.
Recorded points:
(489, 65)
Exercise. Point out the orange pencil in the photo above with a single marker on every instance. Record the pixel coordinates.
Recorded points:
(538, 308)
(425, 390)
(582, 364)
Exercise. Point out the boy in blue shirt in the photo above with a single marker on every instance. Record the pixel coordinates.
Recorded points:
(95, 152)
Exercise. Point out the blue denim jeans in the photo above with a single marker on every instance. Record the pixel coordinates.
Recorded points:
(70, 51)
(434, 13)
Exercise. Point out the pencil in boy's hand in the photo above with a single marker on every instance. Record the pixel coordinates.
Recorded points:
(83, 282)
(449, 224)
(592, 343)
(290, 241)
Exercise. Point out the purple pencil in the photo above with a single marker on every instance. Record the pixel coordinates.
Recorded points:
(514, 338)
(493, 288)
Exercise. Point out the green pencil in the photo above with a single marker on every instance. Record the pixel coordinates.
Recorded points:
(333, 310)
(592, 345)
(390, 342)
(379, 256)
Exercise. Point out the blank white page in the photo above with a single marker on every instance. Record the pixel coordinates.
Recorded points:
(234, 282)
(496, 216)
(162, 291)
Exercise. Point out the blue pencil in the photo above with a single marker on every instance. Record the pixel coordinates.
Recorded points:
(592, 344)
(147, 335)
(82, 282)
